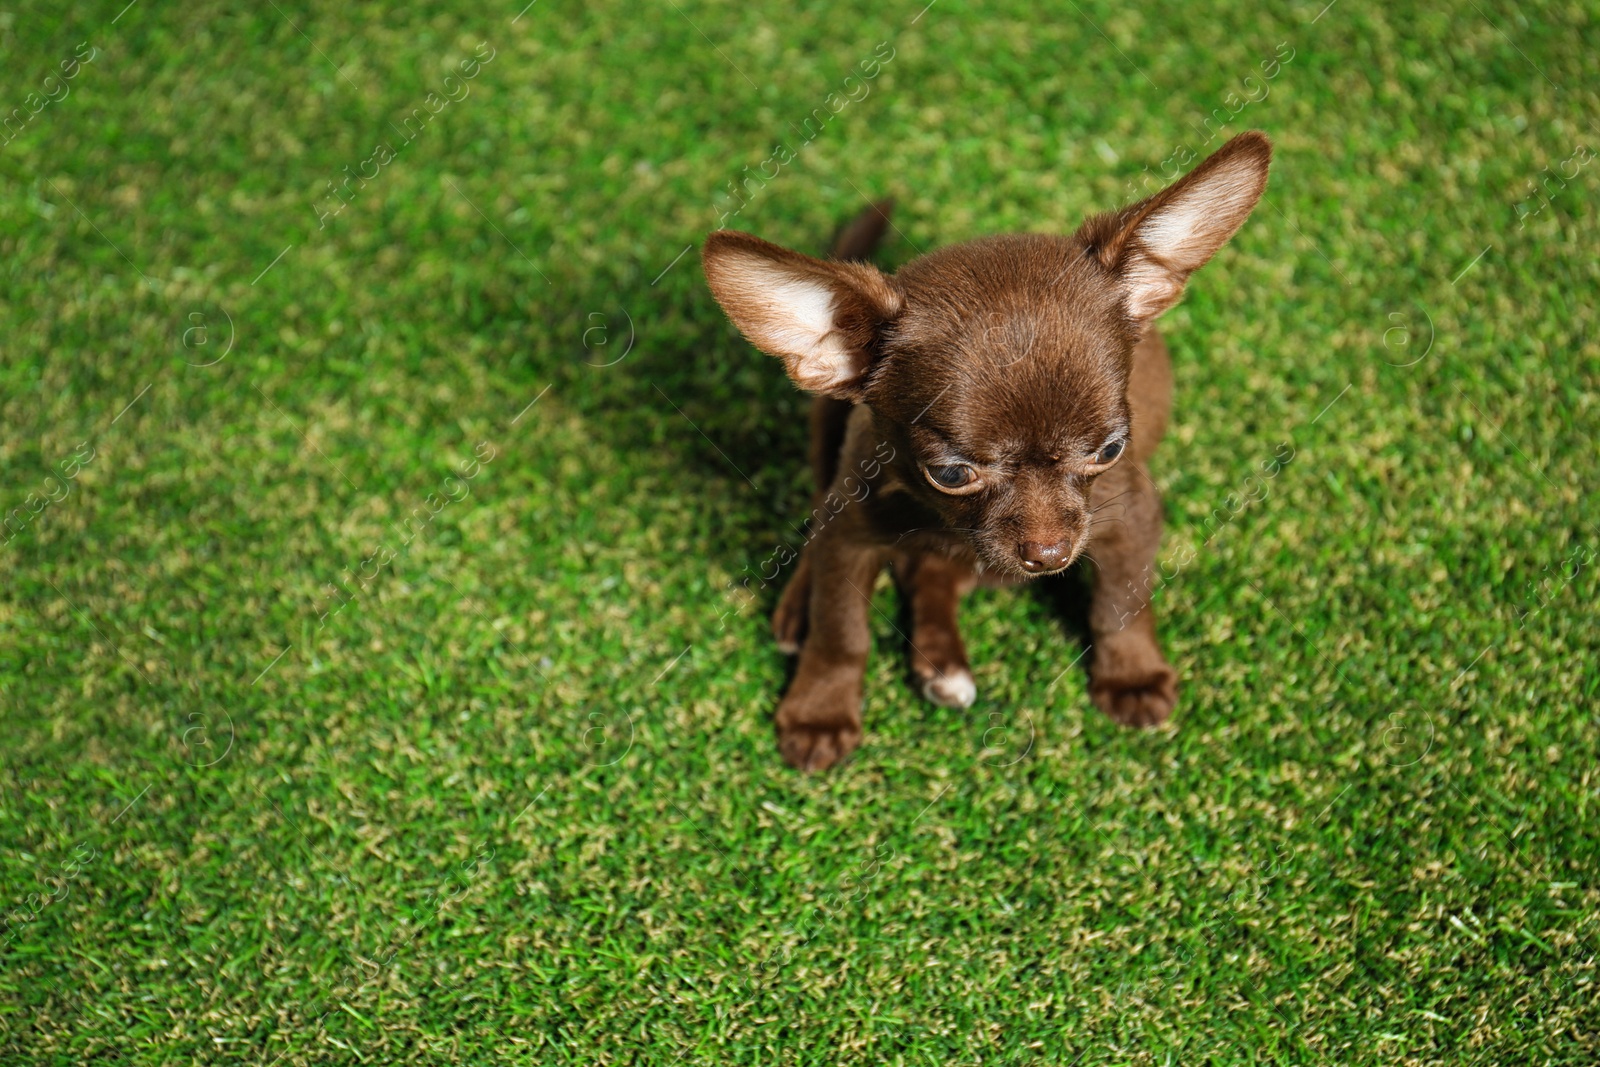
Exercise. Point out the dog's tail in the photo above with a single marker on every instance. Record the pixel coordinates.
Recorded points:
(861, 235)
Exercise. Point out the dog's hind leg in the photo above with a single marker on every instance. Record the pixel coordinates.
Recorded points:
(790, 617)
(856, 240)
(828, 420)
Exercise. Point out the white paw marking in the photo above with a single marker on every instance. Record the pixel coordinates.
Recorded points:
(953, 690)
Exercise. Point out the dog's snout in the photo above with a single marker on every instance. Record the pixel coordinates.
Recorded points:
(1040, 558)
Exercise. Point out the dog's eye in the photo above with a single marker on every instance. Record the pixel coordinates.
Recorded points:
(1110, 452)
(952, 477)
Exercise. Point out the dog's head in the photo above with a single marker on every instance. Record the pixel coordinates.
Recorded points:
(1000, 367)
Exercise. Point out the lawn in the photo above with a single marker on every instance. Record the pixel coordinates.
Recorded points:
(378, 475)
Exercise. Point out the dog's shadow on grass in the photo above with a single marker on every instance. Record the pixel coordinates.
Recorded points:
(691, 388)
(691, 385)
(1066, 598)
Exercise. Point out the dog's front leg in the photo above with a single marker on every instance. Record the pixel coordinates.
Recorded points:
(933, 584)
(1129, 679)
(819, 719)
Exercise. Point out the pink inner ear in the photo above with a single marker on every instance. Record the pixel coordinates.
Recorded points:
(1184, 226)
(1153, 287)
(798, 322)
(1189, 230)
(817, 316)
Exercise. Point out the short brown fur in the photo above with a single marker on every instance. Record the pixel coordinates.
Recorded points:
(1027, 367)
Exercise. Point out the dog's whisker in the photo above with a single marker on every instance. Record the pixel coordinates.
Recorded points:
(936, 529)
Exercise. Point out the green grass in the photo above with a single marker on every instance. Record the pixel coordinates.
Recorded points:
(518, 801)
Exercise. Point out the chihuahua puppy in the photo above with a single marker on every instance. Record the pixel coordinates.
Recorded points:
(986, 414)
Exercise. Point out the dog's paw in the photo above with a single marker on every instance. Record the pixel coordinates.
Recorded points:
(1138, 700)
(952, 689)
(812, 747)
(819, 718)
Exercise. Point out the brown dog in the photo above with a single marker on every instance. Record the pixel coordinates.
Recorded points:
(984, 414)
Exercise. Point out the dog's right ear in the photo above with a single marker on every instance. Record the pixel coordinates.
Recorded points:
(823, 318)
(1156, 244)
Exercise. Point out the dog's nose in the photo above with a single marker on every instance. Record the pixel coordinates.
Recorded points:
(1041, 559)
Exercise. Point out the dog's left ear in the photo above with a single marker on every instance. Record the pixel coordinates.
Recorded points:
(823, 318)
(1157, 243)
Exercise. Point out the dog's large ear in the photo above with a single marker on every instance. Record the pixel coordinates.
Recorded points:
(823, 318)
(1154, 245)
